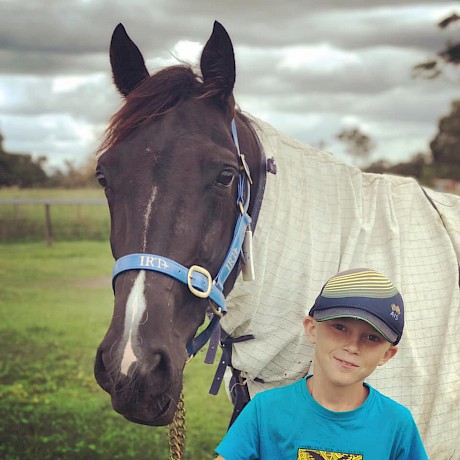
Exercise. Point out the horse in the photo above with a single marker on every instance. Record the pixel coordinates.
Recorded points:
(188, 178)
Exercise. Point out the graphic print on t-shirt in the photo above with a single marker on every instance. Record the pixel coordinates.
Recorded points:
(310, 454)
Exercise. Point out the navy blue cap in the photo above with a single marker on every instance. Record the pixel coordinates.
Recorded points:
(363, 294)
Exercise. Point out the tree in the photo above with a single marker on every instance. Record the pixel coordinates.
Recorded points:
(445, 147)
(419, 166)
(20, 169)
(75, 175)
(358, 144)
(449, 56)
(442, 162)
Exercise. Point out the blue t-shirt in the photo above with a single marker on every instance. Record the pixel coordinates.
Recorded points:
(287, 423)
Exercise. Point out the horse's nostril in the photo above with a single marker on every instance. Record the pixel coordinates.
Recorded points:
(156, 360)
(100, 372)
(157, 363)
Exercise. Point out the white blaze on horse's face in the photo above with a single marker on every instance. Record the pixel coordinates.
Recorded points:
(136, 303)
(147, 214)
(135, 308)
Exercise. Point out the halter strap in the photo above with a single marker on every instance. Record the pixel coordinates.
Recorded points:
(190, 276)
(197, 278)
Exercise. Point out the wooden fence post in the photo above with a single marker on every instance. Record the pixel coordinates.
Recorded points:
(48, 227)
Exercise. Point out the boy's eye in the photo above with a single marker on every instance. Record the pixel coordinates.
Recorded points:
(373, 338)
(339, 326)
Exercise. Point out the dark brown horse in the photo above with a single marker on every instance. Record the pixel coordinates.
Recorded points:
(181, 196)
(170, 170)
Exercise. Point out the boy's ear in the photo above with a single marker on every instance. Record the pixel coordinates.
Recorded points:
(309, 325)
(388, 355)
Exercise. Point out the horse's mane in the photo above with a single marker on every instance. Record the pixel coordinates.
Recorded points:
(157, 95)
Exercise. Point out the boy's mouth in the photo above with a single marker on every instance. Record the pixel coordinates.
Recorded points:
(346, 364)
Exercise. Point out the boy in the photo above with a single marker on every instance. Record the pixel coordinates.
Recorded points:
(355, 324)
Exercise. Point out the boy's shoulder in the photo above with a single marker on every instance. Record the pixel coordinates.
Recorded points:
(390, 406)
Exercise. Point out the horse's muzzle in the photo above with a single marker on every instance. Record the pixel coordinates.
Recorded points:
(144, 397)
(163, 413)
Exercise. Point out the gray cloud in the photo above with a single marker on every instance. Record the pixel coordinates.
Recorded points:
(309, 69)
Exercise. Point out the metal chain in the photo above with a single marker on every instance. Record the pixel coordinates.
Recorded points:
(177, 431)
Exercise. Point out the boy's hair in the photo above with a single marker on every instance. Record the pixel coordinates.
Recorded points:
(363, 294)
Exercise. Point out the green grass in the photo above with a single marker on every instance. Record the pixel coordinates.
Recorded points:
(55, 306)
(26, 222)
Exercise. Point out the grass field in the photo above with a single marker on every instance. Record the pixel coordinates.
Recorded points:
(55, 306)
(26, 222)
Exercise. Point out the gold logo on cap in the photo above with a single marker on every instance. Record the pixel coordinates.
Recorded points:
(395, 311)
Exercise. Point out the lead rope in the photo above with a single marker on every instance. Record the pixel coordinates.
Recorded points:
(177, 431)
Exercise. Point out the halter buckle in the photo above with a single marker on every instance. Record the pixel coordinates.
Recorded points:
(216, 310)
(193, 290)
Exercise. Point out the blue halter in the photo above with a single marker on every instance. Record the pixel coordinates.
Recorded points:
(198, 279)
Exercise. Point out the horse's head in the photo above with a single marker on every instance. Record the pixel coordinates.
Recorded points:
(169, 167)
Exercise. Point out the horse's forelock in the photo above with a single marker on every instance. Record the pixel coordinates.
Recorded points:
(154, 97)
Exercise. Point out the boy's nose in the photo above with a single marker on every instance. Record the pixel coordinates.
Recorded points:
(352, 343)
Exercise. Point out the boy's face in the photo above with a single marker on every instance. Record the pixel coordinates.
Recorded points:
(347, 350)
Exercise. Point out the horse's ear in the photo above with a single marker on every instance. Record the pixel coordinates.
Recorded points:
(218, 63)
(128, 66)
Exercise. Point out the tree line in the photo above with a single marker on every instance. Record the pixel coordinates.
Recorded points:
(442, 162)
(23, 171)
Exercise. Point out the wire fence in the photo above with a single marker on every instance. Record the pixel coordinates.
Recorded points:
(49, 220)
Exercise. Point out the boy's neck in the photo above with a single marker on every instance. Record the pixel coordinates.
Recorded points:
(337, 398)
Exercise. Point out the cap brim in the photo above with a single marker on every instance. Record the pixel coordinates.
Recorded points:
(348, 312)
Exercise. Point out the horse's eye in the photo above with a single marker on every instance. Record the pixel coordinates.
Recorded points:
(225, 178)
(101, 179)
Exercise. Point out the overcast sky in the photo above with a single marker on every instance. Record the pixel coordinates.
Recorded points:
(310, 68)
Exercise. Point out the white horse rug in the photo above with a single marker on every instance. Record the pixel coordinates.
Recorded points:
(320, 216)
